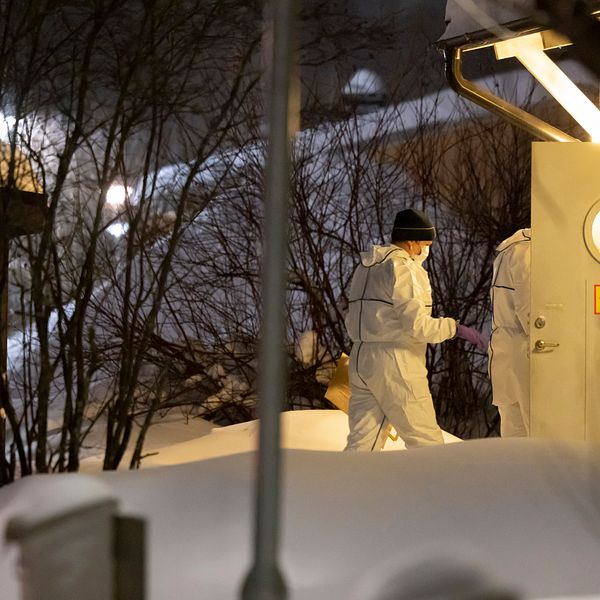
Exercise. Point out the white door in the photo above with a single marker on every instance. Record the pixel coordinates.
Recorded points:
(565, 291)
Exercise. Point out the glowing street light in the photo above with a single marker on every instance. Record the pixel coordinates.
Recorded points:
(116, 198)
(118, 195)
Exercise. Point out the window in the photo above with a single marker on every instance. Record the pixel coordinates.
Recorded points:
(591, 231)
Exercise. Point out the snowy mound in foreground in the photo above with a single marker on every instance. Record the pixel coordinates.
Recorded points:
(527, 511)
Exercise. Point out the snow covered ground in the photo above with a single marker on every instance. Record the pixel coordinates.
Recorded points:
(171, 442)
(525, 513)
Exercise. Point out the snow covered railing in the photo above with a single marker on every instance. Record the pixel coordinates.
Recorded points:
(74, 544)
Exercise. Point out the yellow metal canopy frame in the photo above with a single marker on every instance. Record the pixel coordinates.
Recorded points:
(527, 42)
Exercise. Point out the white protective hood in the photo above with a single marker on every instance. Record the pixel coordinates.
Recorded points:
(518, 236)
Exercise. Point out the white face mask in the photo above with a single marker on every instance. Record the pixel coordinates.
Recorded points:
(420, 258)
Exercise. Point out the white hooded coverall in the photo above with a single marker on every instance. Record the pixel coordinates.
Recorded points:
(390, 324)
(509, 343)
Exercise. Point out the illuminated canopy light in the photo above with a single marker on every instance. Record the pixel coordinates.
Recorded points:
(529, 50)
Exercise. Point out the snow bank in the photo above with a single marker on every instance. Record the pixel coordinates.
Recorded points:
(171, 443)
(527, 509)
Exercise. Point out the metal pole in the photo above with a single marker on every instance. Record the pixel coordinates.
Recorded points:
(264, 580)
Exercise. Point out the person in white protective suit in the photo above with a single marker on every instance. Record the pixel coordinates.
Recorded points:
(509, 343)
(390, 324)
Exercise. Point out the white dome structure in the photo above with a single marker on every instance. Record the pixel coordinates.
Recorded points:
(366, 90)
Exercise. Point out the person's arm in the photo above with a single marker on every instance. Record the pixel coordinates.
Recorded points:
(411, 311)
(520, 268)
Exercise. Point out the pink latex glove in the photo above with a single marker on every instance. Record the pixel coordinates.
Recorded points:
(472, 335)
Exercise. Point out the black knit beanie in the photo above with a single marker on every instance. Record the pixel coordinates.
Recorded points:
(412, 225)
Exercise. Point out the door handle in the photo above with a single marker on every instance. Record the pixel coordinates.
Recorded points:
(542, 346)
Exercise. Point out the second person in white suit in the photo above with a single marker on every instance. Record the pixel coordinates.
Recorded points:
(509, 344)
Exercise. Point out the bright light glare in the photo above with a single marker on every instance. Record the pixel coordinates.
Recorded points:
(117, 195)
(117, 229)
(6, 126)
(529, 50)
